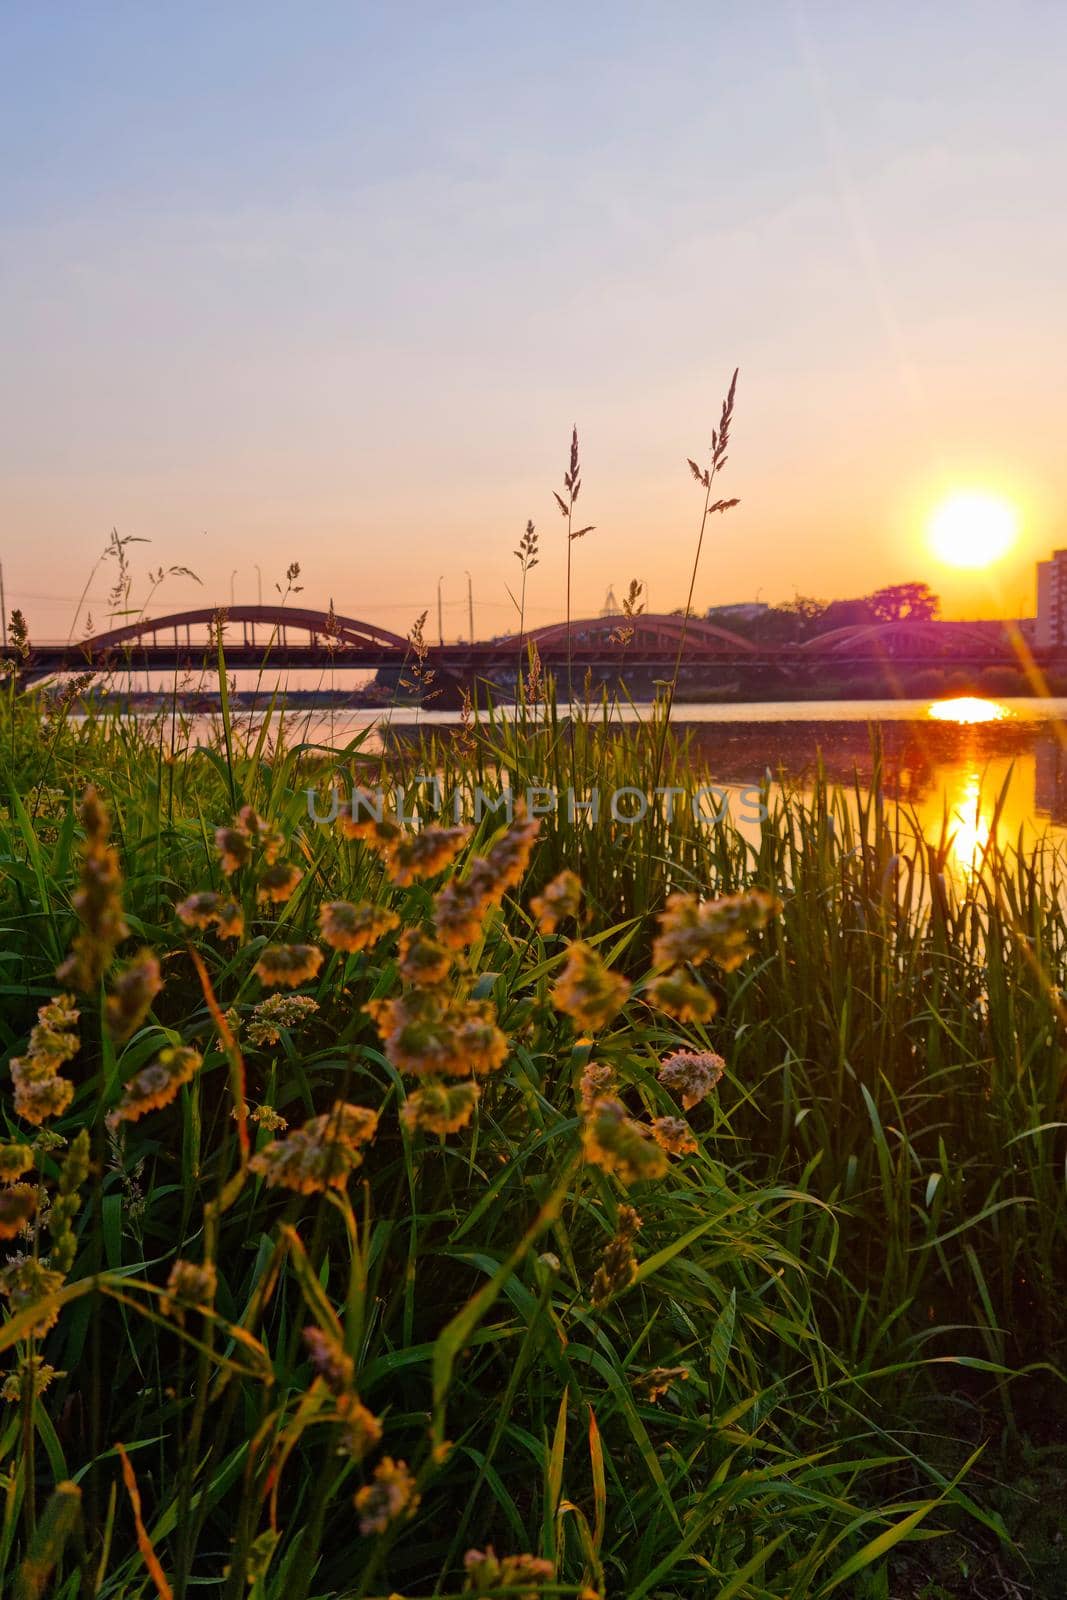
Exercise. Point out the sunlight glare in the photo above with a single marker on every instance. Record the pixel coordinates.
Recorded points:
(968, 708)
(973, 529)
(970, 837)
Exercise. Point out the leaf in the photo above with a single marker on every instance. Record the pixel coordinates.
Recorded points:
(722, 1338)
(600, 1493)
(144, 1543)
(554, 1481)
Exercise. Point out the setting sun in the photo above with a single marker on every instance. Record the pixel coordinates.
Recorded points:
(973, 529)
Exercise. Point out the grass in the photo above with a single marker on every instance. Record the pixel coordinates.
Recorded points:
(855, 1275)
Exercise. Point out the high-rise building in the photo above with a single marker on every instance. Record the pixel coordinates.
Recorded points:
(1051, 630)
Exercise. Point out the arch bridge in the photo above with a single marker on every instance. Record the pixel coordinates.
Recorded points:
(287, 637)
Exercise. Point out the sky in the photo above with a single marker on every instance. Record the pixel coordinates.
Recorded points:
(331, 283)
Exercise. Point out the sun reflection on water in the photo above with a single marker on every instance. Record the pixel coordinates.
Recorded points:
(966, 708)
(970, 819)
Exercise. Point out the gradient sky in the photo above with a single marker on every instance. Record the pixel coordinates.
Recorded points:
(331, 282)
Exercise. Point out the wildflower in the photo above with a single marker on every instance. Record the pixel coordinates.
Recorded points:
(674, 1135)
(189, 1285)
(431, 1035)
(33, 1370)
(40, 1092)
(132, 993)
(26, 1282)
(586, 991)
(440, 1107)
(97, 901)
(618, 1267)
(691, 1074)
(611, 1139)
(17, 1205)
(656, 1382)
(263, 834)
(15, 1159)
(424, 854)
(562, 898)
(277, 883)
(279, 1011)
(344, 926)
(234, 848)
(264, 1117)
(682, 996)
(157, 1084)
(423, 960)
(487, 1572)
(322, 1154)
(360, 1429)
(52, 1036)
(712, 930)
(379, 834)
(596, 1082)
(39, 1096)
(207, 908)
(509, 855)
(390, 1497)
(288, 965)
(328, 1358)
(460, 907)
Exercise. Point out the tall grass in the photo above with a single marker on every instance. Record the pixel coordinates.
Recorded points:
(872, 1224)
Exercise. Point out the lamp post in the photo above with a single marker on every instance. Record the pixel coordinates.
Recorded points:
(470, 606)
(440, 612)
(259, 583)
(233, 575)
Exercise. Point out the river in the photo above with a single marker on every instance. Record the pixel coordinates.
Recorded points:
(989, 768)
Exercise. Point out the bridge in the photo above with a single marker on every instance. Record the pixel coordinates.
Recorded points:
(289, 638)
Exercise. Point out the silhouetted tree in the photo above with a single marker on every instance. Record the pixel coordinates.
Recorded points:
(904, 602)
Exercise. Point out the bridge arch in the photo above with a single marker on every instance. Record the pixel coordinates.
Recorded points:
(936, 641)
(316, 624)
(657, 631)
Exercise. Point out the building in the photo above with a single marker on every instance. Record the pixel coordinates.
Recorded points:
(1051, 630)
(738, 611)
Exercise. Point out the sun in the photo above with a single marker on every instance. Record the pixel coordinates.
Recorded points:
(973, 529)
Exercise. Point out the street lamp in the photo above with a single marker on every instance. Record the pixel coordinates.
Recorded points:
(470, 606)
(440, 612)
(233, 575)
(259, 583)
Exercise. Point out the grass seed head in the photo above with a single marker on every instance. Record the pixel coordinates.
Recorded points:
(691, 1074)
(344, 926)
(587, 991)
(288, 965)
